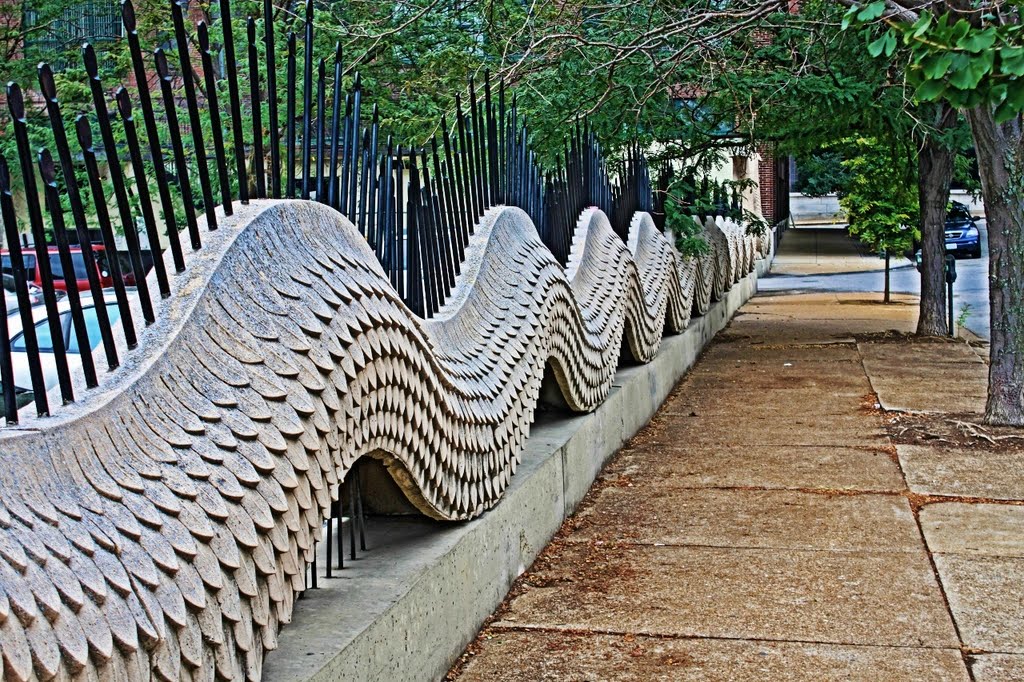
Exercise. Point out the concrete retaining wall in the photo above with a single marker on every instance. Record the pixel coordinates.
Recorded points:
(825, 210)
(406, 609)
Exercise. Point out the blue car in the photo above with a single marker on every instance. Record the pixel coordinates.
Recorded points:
(962, 236)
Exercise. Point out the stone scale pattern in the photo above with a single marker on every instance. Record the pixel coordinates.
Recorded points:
(162, 529)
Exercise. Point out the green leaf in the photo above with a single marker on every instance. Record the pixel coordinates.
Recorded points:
(1004, 112)
(871, 11)
(960, 30)
(936, 66)
(922, 25)
(849, 17)
(971, 74)
(1015, 96)
(1011, 61)
(978, 41)
(930, 90)
(890, 43)
(884, 43)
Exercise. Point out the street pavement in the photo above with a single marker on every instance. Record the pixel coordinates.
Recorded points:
(826, 259)
(783, 517)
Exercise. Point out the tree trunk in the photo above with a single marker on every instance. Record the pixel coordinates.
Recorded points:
(934, 175)
(1002, 183)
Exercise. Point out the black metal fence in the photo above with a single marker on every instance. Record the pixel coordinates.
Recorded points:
(416, 206)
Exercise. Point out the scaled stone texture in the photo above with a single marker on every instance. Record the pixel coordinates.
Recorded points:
(162, 528)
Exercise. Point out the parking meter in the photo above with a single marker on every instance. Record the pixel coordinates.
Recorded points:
(950, 278)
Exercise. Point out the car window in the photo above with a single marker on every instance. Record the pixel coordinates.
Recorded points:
(58, 269)
(43, 338)
(29, 261)
(92, 327)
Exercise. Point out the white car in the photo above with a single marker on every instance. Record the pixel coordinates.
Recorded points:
(19, 349)
(35, 294)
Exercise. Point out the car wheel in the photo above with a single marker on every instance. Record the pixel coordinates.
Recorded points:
(976, 253)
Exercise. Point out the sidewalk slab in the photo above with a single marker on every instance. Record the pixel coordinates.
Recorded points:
(997, 668)
(927, 377)
(974, 529)
(943, 470)
(888, 599)
(776, 519)
(822, 467)
(791, 404)
(985, 596)
(558, 656)
(700, 434)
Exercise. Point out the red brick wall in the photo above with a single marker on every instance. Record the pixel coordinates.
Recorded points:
(773, 181)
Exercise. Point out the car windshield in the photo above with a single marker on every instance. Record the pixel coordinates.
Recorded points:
(958, 213)
(92, 328)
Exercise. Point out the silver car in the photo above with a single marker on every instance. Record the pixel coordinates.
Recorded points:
(35, 294)
(19, 349)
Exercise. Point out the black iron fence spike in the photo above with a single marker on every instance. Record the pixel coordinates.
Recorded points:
(364, 182)
(195, 120)
(353, 146)
(116, 175)
(336, 108)
(16, 105)
(307, 101)
(51, 194)
(274, 122)
(83, 132)
(177, 148)
(152, 135)
(216, 126)
(38, 383)
(124, 107)
(321, 130)
(344, 169)
(48, 87)
(235, 98)
(9, 409)
(372, 189)
(289, 143)
(255, 102)
(476, 151)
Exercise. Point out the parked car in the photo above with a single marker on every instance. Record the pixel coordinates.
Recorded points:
(35, 294)
(19, 349)
(81, 275)
(962, 235)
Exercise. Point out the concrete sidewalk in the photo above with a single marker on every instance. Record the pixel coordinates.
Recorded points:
(820, 249)
(773, 523)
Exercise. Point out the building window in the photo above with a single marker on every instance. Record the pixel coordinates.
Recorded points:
(93, 21)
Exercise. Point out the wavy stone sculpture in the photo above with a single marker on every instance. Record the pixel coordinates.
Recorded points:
(161, 527)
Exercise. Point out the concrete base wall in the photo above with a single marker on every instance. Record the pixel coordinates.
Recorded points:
(408, 607)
